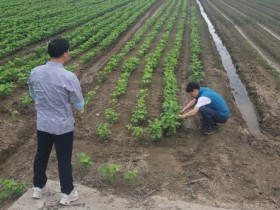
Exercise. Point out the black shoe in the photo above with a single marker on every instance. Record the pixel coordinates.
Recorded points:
(210, 130)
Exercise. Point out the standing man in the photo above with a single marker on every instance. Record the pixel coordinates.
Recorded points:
(211, 106)
(56, 92)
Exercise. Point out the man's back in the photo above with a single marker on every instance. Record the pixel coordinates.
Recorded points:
(55, 90)
(217, 102)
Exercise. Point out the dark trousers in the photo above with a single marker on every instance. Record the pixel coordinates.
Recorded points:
(63, 146)
(211, 117)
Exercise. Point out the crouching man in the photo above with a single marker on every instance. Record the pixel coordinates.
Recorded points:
(211, 106)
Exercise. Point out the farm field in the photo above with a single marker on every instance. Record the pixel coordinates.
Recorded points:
(134, 59)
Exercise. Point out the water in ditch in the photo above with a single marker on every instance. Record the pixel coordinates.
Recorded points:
(239, 91)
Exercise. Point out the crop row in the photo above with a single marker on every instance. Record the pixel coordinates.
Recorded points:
(152, 60)
(196, 67)
(168, 121)
(117, 58)
(31, 31)
(10, 10)
(119, 28)
(170, 104)
(18, 70)
(111, 27)
(131, 64)
(76, 38)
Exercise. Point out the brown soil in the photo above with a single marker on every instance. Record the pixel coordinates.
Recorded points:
(231, 169)
(262, 85)
(261, 39)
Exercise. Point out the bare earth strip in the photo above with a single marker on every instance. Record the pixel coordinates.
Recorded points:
(264, 27)
(261, 84)
(274, 64)
(259, 16)
(271, 12)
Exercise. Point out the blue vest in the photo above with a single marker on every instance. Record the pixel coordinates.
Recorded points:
(217, 102)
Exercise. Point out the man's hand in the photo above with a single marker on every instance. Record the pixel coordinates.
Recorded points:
(182, 111)
(180, 117)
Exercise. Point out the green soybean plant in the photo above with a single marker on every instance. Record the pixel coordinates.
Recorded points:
(103, 130)
(155, 129)
(6, 89)
(136, 131)
(109, 171)
(111, 115)
(9, 188)
(131, 64)
(26, 100)
(84, 160)
(121, 85)
(140, 111)
(91, 94)
(130, 175)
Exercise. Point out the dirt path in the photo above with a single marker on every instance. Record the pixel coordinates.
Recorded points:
(94, 199)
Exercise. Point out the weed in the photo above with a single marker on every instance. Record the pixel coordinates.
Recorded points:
(15, 115)
(130, 175)
(9, 188)
(183, 176)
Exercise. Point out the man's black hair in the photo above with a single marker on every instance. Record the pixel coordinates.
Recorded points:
(57, 47)
(192, 86)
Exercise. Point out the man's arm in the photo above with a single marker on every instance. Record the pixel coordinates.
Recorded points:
(75, 94)
(31, 90)
(79, 106)
(31, 93)
(189, 105)
(189, 114)
(202, 101)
